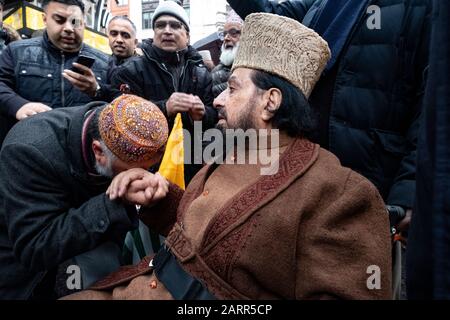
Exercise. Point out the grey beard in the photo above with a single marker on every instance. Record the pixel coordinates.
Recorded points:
(105, 171)
(227, 56)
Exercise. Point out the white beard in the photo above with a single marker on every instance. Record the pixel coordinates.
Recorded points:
(104, 171)
(227, 56)
(107, 170)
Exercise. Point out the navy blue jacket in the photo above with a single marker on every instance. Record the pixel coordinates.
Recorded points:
(428, 254)
(31, 71)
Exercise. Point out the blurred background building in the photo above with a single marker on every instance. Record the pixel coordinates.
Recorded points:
(207, 16)
(207, 19)
(26, 17)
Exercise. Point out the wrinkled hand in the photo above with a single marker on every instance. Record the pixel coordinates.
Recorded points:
(182, 102)
(139, 187)
(30, 109)
(85, 82)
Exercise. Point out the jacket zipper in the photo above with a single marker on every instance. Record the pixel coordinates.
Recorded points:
(163, 67)
(63, 98)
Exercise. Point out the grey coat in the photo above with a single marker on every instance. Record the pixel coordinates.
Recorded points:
(51, 209)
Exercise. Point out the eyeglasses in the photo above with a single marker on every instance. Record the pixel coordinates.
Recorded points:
(232, 32)
(174, 25)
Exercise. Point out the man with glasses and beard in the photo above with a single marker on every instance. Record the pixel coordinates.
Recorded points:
(231, 35)
(310, 230)
(56, 168)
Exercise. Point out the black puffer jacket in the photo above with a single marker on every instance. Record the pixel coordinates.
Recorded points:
(374, 92)
(31, 71)
(427, 261)
(149, 77)
(220, 75)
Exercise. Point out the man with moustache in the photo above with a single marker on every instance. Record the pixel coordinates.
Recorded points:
(122, 40)
(34, 75)
(231, 35)
(123, 43)
(55, 169)
(311, 230)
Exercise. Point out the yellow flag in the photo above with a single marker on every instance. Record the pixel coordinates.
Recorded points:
(172, 164)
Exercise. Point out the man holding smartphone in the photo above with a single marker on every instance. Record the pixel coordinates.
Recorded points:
(34, 73)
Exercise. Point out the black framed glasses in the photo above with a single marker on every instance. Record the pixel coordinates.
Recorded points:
(174, 25)
(232, 33)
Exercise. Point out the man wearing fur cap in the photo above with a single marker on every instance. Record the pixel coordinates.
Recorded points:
(310, 230)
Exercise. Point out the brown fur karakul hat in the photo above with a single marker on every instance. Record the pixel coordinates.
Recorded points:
(133, 128)
(284, 47)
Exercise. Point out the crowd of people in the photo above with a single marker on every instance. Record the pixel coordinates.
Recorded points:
(341, 103)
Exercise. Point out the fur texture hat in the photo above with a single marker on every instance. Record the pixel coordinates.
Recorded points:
(284, 47)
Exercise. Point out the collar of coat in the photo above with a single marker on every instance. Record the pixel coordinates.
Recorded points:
(153, 53)
(294, 162)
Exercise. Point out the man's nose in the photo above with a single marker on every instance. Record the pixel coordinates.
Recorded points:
(69, 26)
(168, 29)
(219, 102)
(227, 37)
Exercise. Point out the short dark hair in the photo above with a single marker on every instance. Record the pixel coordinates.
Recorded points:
(77, 3)
(126, 19)
(295, 115)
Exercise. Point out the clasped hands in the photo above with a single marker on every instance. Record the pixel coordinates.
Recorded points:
(138, 187)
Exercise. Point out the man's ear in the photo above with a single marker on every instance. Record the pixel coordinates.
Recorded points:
(273, 98)
(99, 153)
(44, 18)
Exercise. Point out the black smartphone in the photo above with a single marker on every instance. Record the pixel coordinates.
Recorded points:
(85, 61)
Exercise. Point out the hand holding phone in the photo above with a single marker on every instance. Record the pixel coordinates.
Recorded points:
(85, 61)
(81, 78)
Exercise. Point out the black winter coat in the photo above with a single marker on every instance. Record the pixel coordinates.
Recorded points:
(51, 209)
(220, 75)
(148, 77)
(428, 254)
(375, 91)
(31, 71)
